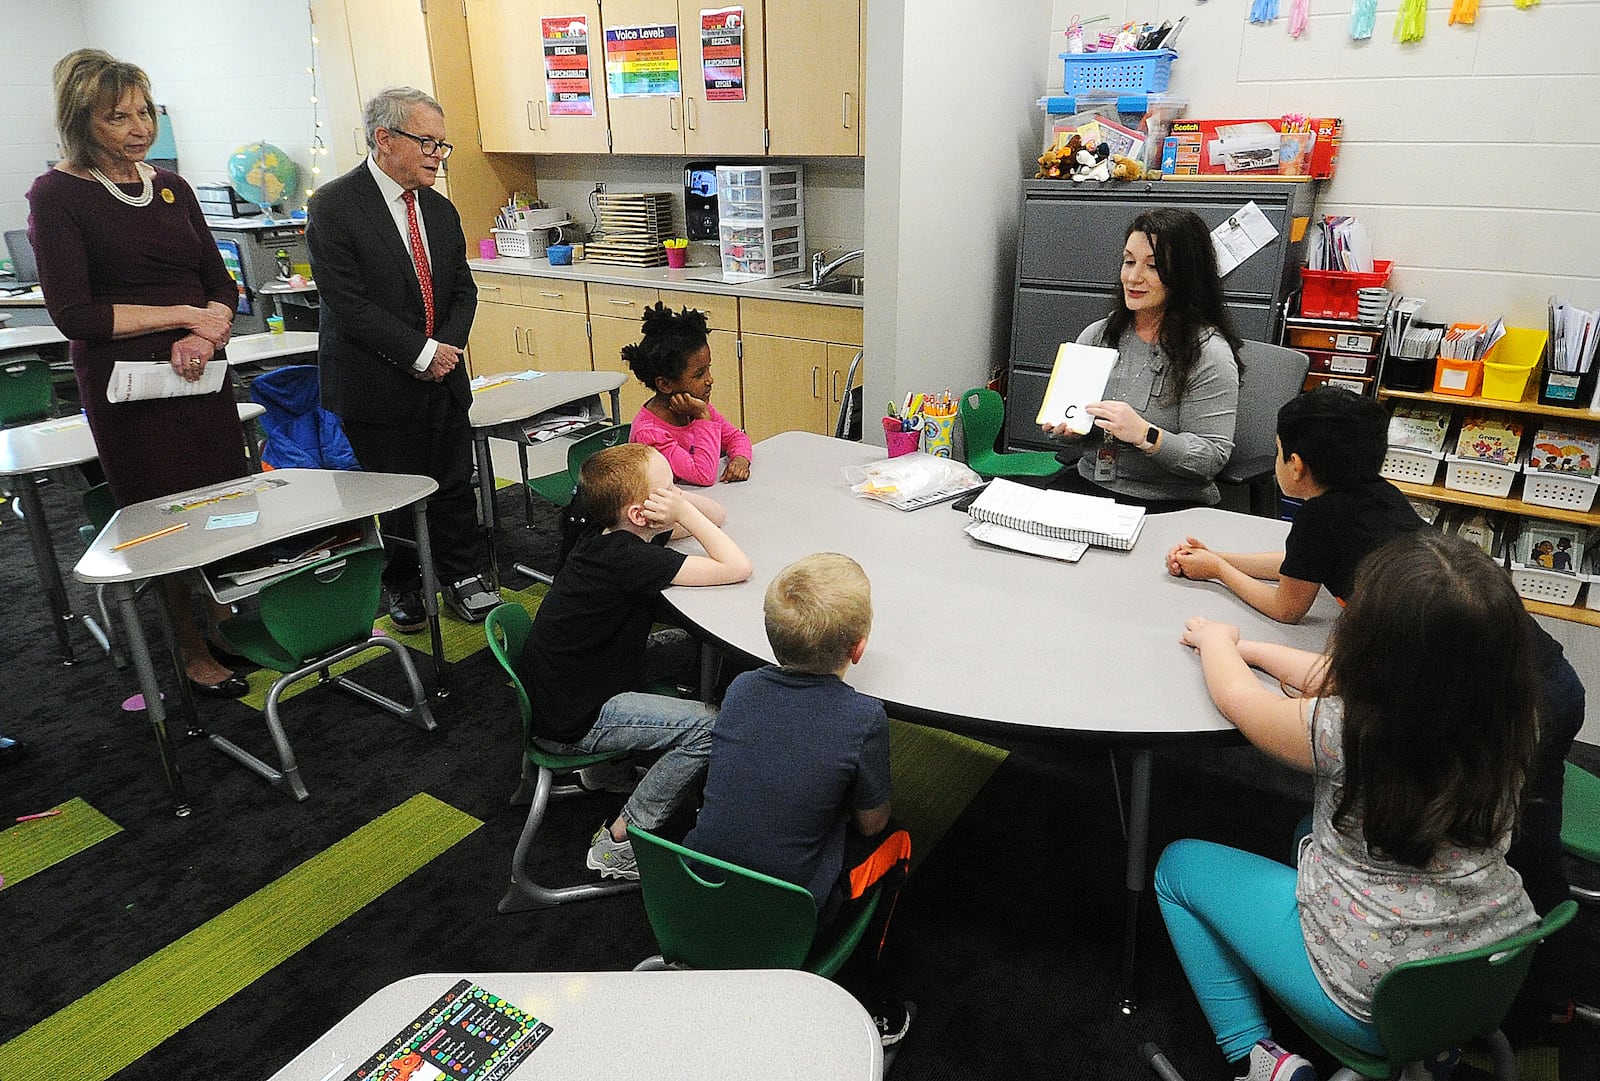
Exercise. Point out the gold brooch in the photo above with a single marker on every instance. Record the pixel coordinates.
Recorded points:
(167, 196)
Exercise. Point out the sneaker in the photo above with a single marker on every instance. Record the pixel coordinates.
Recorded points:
(893, 1020)
(613, 859)
(1437, 1067)
(471, 599)
(1269, 1062)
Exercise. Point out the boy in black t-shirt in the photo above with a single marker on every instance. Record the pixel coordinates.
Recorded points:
(798, 785)
(591, 650)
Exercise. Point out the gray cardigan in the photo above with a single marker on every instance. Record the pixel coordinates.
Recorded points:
(1198, 426)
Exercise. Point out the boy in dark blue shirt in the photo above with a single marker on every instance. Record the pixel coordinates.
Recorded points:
(798, 782)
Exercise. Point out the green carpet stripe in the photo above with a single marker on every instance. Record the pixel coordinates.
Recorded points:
(936, 774)
(129, 1015)
(461, 640)
(30, 847)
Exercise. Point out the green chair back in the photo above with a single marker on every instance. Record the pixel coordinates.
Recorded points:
(323, 607)
(983, 414)
(1423, 1007)
(98, 507)
(507, 627)
(709, 913)
(26, 394)
(593, 443)
(1580, 814)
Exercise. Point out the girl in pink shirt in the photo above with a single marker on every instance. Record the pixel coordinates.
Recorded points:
(673, 358)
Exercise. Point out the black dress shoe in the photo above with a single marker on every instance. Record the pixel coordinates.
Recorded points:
(227, 658)
(232, 687)
(407, 613)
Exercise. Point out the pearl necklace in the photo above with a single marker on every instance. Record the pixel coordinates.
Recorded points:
(142, 199)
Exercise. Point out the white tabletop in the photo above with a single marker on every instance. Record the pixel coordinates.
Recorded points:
(661, 1026)
(506, 398)
(15, 339)
(287, 502)
(980, 637)
(63, 441)
(255, 348)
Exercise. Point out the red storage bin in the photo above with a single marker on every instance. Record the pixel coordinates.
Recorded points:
(1331, 294)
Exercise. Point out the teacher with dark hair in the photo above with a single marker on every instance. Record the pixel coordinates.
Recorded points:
(131, 273)
(397, 301)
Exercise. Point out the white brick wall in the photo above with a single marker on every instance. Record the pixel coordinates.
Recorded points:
(36, 36)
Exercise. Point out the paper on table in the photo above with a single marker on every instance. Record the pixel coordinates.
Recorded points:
(1078, 378)
(1018, 541)
(1245, 232)
(147, 380)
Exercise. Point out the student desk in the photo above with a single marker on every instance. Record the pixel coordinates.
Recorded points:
(993, 642)
(288, 503)
(505, 406)
(17, 339)
(27, 453)
(637, 1026)
(245, 349)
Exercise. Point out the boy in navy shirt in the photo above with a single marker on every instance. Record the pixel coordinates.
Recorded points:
(798, 783)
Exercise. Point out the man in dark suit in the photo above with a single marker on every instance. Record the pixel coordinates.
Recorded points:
(397, 298)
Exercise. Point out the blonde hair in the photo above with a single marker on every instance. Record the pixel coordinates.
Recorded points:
(612, 480)
(816, 610)
(88, 80)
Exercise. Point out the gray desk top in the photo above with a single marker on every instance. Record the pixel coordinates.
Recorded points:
(519, 399)
(693, 1026)
(982, 638)
(13, 339)
(245, 349)
(64, 441)
(288, 502)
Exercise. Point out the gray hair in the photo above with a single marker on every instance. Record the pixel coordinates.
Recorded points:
(389, 108)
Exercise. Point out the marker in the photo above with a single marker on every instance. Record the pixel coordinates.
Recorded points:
(42, 814)
(149, 536)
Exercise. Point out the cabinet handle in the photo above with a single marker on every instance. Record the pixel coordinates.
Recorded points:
(533, 118)
(542, 114)
(690, 113)
(516, 338)
(530, 342)
(673, 105)
(847, 110)
(814, 372)
(833, 386)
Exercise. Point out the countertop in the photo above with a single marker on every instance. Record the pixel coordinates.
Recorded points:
(704, 279)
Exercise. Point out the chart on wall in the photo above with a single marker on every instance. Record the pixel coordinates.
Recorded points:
(722, 53)
(642, 61)
(568, 88)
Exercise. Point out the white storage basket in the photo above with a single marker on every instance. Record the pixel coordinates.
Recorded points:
(1591, 599)
(1552, 587)
(1566, 491)
(520, 243)
(1411, 466)
(1474, 475)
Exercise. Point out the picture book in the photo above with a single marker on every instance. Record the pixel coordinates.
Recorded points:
(468, 1034)
(1552, 546)
(1489, 438)
(1415, 426)
(1426, 509)
(1478, 527)
(1558, 450)
(1067, 516)
(1078, 378)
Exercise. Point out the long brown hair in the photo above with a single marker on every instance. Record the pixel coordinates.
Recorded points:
(1433, 659)
(91, 79)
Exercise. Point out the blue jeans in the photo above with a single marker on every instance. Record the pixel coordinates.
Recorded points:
(1233, 919)
(636, 721)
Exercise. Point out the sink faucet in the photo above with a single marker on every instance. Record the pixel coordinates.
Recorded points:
(821, 270)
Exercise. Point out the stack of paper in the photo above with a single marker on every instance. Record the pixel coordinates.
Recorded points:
(632, 227)
(1064, 516)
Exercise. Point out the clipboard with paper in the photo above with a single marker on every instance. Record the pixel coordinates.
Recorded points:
(1078, 378)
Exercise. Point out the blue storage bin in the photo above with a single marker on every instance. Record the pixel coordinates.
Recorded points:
(1144, 72)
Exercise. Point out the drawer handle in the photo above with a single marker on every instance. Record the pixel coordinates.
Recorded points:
(552, 296)
(621, 303)
(488, 288)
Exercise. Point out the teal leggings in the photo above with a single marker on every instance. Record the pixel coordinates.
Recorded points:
(1233, 919)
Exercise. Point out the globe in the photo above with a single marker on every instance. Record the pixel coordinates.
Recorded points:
(263, 174)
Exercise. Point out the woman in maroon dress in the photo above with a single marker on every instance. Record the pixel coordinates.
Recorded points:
(131, 273)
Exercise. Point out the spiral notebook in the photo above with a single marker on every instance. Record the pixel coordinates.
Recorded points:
(1067, 516)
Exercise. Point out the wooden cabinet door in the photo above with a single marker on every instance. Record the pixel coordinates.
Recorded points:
(814, 65)
(645, 125)
(727, 394)
(556, 341)
(839, 381)
(496, 343)
(722, 127)
(506, 76)
(560, 132)
(607, 337)
(785, 385)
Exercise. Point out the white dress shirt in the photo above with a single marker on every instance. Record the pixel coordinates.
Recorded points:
(394, 199)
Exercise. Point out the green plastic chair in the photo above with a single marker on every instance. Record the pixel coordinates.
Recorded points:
(310, 619)
(1424, 1007)
(738, 919)
(983, 414)
(26, 392)
(1580, 822)
(507, 628)
(558, 488)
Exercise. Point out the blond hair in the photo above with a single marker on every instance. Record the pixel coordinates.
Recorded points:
(86, 81)
(816, 610)
(614, 479)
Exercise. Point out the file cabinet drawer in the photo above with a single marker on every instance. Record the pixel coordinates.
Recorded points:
(554, 294)
(620, 301)
(722, 312)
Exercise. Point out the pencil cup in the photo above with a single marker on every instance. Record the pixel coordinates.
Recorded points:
(941, 436)
(902, 442)
(677, 257)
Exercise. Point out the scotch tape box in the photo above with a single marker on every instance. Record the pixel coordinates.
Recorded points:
(1243, 147)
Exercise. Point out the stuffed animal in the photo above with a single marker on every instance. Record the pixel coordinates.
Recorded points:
(1057, 163)
(1125, 168)
(1093, 163)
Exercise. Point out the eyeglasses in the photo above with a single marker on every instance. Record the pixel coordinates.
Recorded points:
(430, 147)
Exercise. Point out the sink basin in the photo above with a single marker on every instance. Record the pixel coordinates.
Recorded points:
(847, 285)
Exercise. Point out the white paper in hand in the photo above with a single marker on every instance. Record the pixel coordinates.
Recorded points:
(1078, 378)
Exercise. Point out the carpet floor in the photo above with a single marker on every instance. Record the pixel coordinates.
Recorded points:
(1008, 935)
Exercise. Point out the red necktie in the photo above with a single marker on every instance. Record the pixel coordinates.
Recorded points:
(419, 256)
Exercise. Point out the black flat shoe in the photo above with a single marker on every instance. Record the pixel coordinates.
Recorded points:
(232, 687)
(227, 658)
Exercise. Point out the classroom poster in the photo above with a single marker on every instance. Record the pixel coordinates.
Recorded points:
(722, 53)
(468, 1034)
(642, 61)
(568, 88)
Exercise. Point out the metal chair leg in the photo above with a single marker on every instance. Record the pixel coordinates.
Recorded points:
(524, 894)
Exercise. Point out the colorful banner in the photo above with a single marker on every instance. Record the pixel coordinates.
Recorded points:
(722, 53)
(568, 89)
(642, 61)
